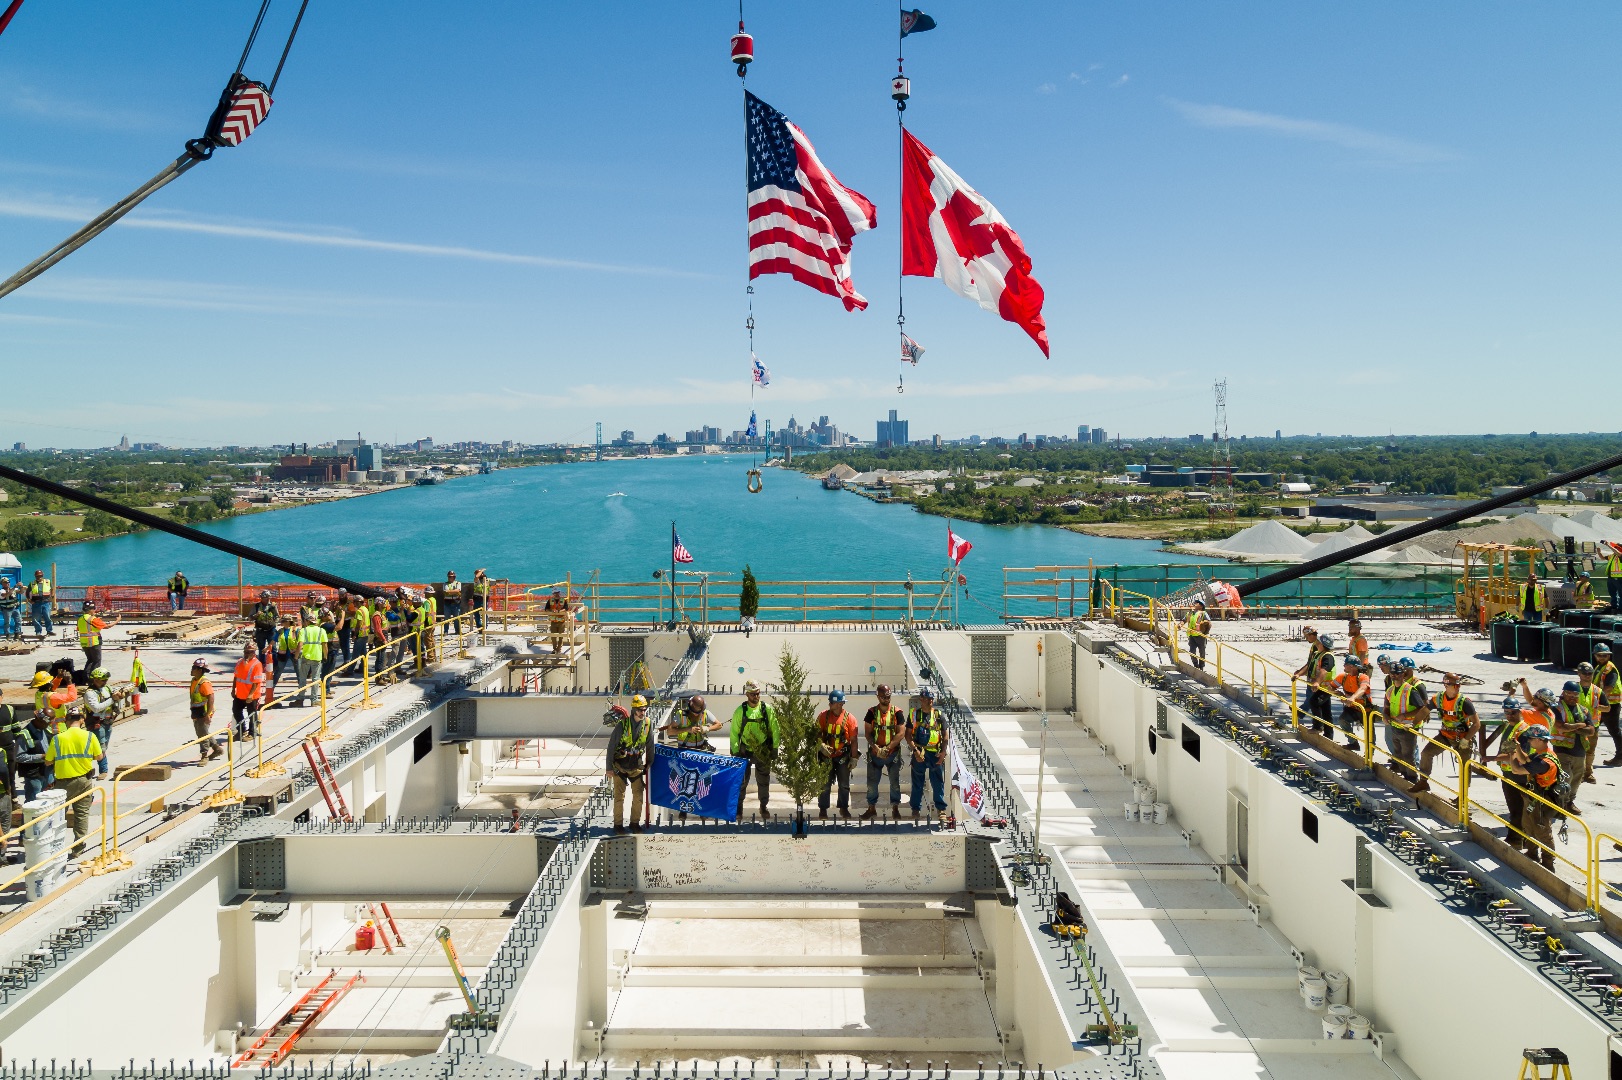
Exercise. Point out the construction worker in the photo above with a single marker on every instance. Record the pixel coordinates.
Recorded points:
(1533, 600)
(11, 609)
(1459, 727)
(884, 726)
(1570, 736)
(1516, 720)
(41, 686)
(452, 591)
(630, 750)
(11, 729)
(40, 599)
(1315, 648)
(137, 683)
(1406, 708)
(1354, 689)
(72, 754)
(311, 606)
(90, 630)
(836, 741)
(8, 772)
(339, 629)
(756, 736)
(312, 645)
(557, 618)
(1582, 591)
(266, 615)
(1321, 696)
(1199, 633)
(100, 710)
(1356, 644)
(1613, 576)
(430, 615)
(926, 734)
(1609, 681)
(1593, 704)
(178, 587)
(481, 597)
(691, 726)
(247, 692)
(284, 653)
(1531, 765)
(202, 711)
(331, 616)
(31, 767)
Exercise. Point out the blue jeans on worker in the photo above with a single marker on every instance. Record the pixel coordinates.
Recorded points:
(104, 735)
(876, 768)
(177, 601)
(32, 786)
(11, 621)
(39, 613)
(931, 767)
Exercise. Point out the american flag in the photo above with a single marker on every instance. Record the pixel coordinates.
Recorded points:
(678, 550)
(801, 219)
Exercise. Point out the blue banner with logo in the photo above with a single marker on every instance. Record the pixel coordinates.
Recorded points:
(696, 782)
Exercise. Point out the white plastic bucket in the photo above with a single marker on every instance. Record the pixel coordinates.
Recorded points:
(1131, 811)
(41, 883)
(1357, 1027)
(1302, 974)
(1315, 993)
(1149, 793)
(44, 847)
(1334, 1027)
(1162, 813)
(1343, 1011)
(1337, 986)
(1137, 791)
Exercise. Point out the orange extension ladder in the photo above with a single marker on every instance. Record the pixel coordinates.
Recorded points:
(321, 769)
(278, 1042)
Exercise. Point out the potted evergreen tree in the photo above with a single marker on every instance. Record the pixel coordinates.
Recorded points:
(748, 601)
(800, 766)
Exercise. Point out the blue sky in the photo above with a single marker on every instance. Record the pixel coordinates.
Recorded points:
(514, 220)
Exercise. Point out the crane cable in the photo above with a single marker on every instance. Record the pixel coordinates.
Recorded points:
(197, 150)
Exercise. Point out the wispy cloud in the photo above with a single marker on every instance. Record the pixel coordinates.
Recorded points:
(1122, 81)
(55, 211)
(1047, 88)
(31, 103)
(199, 296)
(8, 317)
(1388, 149)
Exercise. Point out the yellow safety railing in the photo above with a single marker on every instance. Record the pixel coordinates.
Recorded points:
(415, 649)
(1588, 870)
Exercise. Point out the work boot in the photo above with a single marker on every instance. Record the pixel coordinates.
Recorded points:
(917, 813)
(1547, 860)
(870, 813)
(1589, 779)
(895, 811)
(844, 813)
(637, 827)
(1422, 784)
(1612, 763)
(822, 814)
(619, 830)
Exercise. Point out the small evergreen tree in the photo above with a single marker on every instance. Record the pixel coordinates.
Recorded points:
(748, 595)
(800, 765)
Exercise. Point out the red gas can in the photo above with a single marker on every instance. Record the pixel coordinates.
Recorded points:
(365, 938)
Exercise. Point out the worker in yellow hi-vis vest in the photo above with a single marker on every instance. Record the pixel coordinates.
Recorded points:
(72, 753)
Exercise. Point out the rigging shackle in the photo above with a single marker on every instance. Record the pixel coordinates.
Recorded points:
(752, 481)
(743, 50)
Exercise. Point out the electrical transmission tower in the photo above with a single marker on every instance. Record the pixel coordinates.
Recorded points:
(1222, 505)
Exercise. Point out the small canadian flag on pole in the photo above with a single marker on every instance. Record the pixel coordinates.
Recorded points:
(956, 546)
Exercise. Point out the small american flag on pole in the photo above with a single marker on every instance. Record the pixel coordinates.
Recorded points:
(678, 550)
(801, 218)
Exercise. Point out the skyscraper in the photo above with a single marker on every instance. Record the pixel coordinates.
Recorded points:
(1084, 434)
(1100, 437)
(892, 432)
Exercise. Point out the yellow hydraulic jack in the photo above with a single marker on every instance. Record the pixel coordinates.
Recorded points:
(475, 1018)
(1535, 1058)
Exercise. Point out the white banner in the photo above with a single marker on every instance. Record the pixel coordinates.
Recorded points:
(967, 785)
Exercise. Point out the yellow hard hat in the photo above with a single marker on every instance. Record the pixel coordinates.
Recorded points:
(639, 702)
(41, 678)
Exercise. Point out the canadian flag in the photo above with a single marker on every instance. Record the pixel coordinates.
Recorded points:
(950, 231)
(956, 546)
